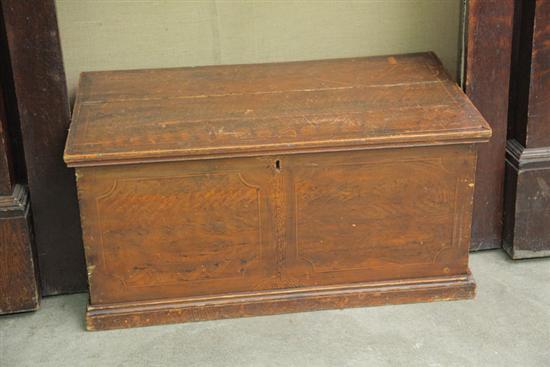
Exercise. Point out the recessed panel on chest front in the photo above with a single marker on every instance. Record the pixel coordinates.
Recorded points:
(185, 229)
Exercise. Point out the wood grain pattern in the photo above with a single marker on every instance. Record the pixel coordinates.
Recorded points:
(323, 197)
(119, 316)
(267, 108)
(243, 225)
(487, 77)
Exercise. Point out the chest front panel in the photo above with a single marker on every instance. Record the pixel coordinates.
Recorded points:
(186, 229)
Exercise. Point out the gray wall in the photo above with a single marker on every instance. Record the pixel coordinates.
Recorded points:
(122, 34)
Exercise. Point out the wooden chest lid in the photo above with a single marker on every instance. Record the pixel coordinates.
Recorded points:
(244, 110)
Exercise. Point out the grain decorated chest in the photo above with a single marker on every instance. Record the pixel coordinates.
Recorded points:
(228, 191)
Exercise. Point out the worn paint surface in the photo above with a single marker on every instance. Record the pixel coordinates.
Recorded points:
(242, 190)
(236, 110)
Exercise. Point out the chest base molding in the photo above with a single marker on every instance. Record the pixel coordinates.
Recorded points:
(246, 304)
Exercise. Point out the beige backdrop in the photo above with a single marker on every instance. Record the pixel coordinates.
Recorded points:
(132, 34)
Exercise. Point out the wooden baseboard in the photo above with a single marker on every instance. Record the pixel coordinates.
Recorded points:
(147, 313)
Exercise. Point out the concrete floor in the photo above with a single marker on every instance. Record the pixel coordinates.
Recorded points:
(508, 324)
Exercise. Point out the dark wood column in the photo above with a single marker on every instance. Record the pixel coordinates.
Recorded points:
(18, 283)
(39, 79)
(488, 53)
(527, 203)
(6, 171)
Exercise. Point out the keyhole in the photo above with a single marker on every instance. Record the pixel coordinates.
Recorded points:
(278, 165)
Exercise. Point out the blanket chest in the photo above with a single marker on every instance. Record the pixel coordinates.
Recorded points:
(226, 191)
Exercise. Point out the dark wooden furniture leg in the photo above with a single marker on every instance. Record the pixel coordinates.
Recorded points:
(39, 78)
(527, 202)
(488, 53)
(18, 285)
